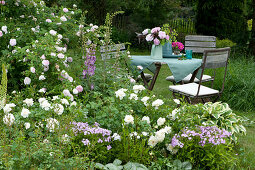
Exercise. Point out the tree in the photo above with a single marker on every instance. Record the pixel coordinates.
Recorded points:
(222, 18)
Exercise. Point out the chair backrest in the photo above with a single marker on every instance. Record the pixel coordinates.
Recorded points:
(213, 59)
(112, 51)
(199, 43)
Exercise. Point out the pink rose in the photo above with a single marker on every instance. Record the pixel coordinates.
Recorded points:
(65, 10)
(79, 88)
(13, 42)
(45, 62)
(1, 33)
(149, 37)
(43, 57)
(162, 35)
(167, 37)
(156, 41)
(155, 30)
(145, 32)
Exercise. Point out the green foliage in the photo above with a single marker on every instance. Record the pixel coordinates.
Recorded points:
(116, 165)
(240, 84)
(224, 24)
(208, 156)
(210, 114)
(3, 87)
(167, 163)
(224, 43)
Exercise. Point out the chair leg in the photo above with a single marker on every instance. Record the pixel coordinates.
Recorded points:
(188, 99)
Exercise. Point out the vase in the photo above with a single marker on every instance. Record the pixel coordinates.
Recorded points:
(167, 50)
(156, 52)
(177, 52)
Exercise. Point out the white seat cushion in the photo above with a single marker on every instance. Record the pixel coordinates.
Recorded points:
(147, 76)
(192, 88)
(188, 77)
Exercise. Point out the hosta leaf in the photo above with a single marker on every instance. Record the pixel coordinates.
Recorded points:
(242, 128)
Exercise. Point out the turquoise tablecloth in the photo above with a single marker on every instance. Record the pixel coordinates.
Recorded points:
(179, 68)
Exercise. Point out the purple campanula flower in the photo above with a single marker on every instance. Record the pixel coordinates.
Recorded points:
(109, 147)
(85, 142)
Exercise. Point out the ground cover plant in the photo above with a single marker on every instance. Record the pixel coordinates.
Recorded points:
(62, 106)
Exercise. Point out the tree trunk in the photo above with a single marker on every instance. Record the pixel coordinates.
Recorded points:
(252, 41)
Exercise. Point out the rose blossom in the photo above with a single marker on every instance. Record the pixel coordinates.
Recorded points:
(48, 20)
(65, 9)
(155, 30)
(156, 41)
(45, 62)
(32, 69)
(9, 119)
(4, 29)
(52, 32)
(79, 88)
(149, 37)
(63, 18)
(13, 42)
(27, 125)
(60, 55)
(129, 119)
(1, 33)
(25, 113)
(27, 81)
(162, 34)
(146, 31)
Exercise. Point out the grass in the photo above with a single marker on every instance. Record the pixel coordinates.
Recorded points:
(241, 80)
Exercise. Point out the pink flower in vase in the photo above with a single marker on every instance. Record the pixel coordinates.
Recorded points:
(167, 37)
(149, 37)
(155, 30)
(156, 41)
(162, 35)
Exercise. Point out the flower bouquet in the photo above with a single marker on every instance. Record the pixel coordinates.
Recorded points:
(177, 47)
(157, 38)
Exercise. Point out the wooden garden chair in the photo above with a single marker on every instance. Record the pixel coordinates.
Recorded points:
(212, 59)
(198, 44)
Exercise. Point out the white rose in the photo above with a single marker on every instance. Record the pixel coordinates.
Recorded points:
(32, 69)
(27, 81)
(42, 77)
(133, 96)
(152, 141)
(52, 32)
(48, 20)
(161, 121)
(45, 105)
(120, 94)
(28, 102)
(129, 119)
(147, 119)
(64, 101)
(25, 113)
(59, 109)
(63, 18)
(157, 103)
(13, 42)
(27, 125)
(60, 36)
(52, 124)
(75, 91)
(116, 136)
(144, 133)
(138, 88)
(4, 29)
(160, 135)
(8, 119)
(65, 9)
(60, 55)
(66, 92)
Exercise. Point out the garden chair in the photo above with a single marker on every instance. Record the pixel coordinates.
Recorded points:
(212, 59)
(112, 51)
(197, 43)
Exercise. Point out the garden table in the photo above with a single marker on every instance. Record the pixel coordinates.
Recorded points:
(179, 68)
